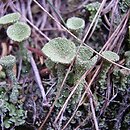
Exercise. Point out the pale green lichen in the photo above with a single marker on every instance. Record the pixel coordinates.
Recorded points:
(127, 56)
(83, 57)
(49, 64)
(10, 18)
(76, 26)
(75, 23)
(12, 115)
(93, 8)
(106, 66)
(7, 62)
(60, 50)
(110, 55)
(83, 62)
(57, 50)
(19, 31)
(121, 77)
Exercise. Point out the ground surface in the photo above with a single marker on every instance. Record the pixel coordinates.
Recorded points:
(106, 101)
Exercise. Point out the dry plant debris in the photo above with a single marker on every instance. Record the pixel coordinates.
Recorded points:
(72, 65)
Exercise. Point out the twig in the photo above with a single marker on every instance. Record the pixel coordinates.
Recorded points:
(56, 11)
(93, 111)
(115, 33)
(112, 17)
(38, 79)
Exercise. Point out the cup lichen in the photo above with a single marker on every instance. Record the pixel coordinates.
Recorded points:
(57, 50)
(10, 18)
(19, 31)
(75, 23)
(106, 66)
(7, 62)
(60, 50)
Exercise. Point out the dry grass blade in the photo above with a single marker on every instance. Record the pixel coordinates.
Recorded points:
(92, 109)
(38, 79)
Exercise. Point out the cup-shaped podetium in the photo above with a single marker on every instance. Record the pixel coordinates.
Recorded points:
(8, 62)
(9, 18)
(75, 24)
(19, 31)
(60, 50)
(84, 58)
(111, 55)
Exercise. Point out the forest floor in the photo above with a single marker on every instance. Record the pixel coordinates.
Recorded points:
(52, 98)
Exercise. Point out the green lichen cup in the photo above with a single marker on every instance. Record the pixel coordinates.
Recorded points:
(110, 55)
(19, 31)
(84, 58)
(10, 18)
(76, 25)
(60, 50)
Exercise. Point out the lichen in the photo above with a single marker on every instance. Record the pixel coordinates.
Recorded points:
(110, 55)
(60, 50)
(11, 115)
(106, 66)
(19, 31)
(56, 52)
(10, 18)
(75, 23)
(84, 61)
(7, 62)
(93, 8)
